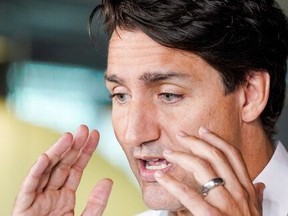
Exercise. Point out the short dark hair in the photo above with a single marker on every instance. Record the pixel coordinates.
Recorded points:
(236, 37)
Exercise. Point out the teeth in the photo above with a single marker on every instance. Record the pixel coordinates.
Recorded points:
(161, 166)
(156, 164)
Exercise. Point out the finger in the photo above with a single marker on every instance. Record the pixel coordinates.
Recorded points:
(56, 151)
(259, 188)
(201, 169)
(61, 170)
(28, 188)
(217, 159)
(231, 168)
(203, 172)
(98, 198)
(188, 197)
(54, 154)
(246, 196)
(234, 158)
(76, 171)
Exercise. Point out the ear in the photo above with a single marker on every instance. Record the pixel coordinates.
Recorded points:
(256, 91)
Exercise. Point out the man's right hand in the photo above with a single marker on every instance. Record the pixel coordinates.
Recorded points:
(51, 184)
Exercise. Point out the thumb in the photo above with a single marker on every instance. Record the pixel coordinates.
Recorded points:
(98, 198)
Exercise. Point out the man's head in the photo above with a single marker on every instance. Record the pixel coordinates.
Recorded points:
(234, 37)
(174, 66)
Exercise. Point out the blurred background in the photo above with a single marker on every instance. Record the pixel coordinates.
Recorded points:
(51, 81)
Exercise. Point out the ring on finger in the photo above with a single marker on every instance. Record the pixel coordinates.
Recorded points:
(211, 184)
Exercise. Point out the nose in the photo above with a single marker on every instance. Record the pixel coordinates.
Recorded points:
(142, 124)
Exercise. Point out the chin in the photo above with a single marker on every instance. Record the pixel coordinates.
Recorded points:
(158, 198)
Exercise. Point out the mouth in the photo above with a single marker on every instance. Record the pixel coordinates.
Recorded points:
(156, 164)
(148, 167)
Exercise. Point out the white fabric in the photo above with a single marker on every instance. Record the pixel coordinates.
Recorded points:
(275, 177)
(153, 213)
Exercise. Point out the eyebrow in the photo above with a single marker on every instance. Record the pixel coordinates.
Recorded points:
(148, 78)
(156, 77)
(114, 78)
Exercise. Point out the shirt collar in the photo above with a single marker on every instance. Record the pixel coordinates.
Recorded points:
(275, 178)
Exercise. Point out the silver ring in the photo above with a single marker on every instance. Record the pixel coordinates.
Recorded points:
(211, 184)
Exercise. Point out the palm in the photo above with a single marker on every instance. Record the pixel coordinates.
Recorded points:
(60, 202)
(50, 186)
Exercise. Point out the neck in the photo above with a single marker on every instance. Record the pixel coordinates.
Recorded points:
(256, 148)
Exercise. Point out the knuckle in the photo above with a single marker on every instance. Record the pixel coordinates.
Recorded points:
(217, 153)
(204, 164)
(183, 189)
(241, 195)
(78, 167)
(65, 167)
(235, 152)
(97, 202)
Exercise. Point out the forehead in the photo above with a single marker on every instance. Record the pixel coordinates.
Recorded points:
(134, 45)
(122, 37)
(133, 52)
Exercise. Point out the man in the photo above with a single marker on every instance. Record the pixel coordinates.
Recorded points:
(196, 87)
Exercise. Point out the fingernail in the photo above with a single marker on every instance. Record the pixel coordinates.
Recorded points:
(158, 174)
(204, 129)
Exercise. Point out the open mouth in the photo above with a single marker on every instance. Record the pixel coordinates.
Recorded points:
(156, 164)
(148, 167)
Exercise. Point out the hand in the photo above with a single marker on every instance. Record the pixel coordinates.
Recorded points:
(51, 184)
(207, 158)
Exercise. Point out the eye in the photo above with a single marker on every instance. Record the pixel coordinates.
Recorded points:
(170, 97)
(119, 97)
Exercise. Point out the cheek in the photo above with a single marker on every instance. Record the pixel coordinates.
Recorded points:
(186, 119)
(222, 120)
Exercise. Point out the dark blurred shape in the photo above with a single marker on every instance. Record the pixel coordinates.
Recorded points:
(3, 79)
(282, 125)
(52, 31)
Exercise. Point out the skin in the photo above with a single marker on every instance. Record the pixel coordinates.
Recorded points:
(161, 97)
(51, 184)
(170, 105)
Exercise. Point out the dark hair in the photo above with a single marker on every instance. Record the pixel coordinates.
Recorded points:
(236, 37)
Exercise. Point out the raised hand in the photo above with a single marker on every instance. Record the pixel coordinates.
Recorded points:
(51, 184)
(208, 158)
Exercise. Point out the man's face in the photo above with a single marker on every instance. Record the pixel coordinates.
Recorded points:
(159, 92)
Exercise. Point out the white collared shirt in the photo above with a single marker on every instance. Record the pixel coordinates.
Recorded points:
(275, 178)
